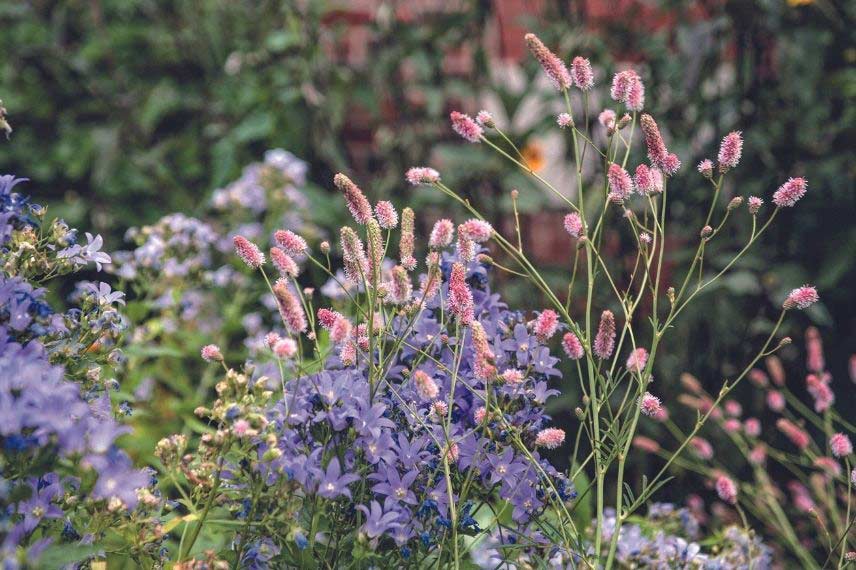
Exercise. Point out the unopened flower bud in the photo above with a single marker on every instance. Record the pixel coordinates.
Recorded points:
(579, 412)
(623, 121)
(670, 294)
(706, 232)
(325, 247)
(484, 258)
(735, 203)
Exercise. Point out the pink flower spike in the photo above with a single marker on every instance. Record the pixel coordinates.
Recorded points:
(550, 62)
(426, 387)
(752, 427)
(359, 206)
(466, 127)
(290, 308)
(248, 252)
(637, 360)
(775, 400)
(649, 404)
(422, 175)
(386, 215)
(582, 73)
(546, 325)
(292, 243)
(754, 203)
(801, 298)
(327, 318)
(211, 353)
(726, 489)
(627, 88)
(475, 230)
(406, 242)
(705, 168)
(790, 192)
(796, 434)
(565, 121)
(460, 296)
(730, 150)
(551, 438)
(483, 362)
(607, 119)
(620, 183)
(441, 234)
(285, 348)
(604, 342)
(572, 346)
(485, 119)
(512, 376)
(574, 225)
(646, 444)
(702, 448)
(271, 339)
(284, 263)
(840, 445)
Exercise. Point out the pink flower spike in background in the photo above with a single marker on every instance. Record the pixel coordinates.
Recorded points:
(572, 346)
(649, 404)
(582, 73)
(466, 127)
(550, 63)
(248, 252)
(604, 342)
(422, 175)
(289, 241)
(386, 215)
(840, 445)
(726, 489)
(359, 206)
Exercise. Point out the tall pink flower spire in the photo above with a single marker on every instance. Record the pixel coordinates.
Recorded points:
(572, 346)
(466, 127)
(407, 242)
(582, 73)
(730, 150)
(483, 362)
(289, 241)
(290, 308)
(441, 234)
(574, 225)
(248, 252)
(790, 192)
(604, 342)
(620, 183)
(386, 215)
(354, 258)
(796, 434)
(552, 65)
(284, 262)
(460, 296)
(426, 387)
(359, 206)
(657, 152)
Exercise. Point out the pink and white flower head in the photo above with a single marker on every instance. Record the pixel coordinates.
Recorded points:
(480, 414)
(328, 318)
(752, 427)
(637, 360)
(790, 192)
(607, 119)
(644, 180)
(731, 425)
(485, 119)
(271, 339)
(565, 121)
(702, 448)
(705, 168)
(775, 400)
(422, 175)
(452, 453)
(386, 215)
(758, 455)
(466, 127)
(754, 204)
(620, 183)
(359, 206)
(483, 367)
(759, 378)
(348, 353)
(840, 445)
(546, 325)
(604, 342)
(285, 348)
(646, 444)
(289, 241)
(248, 252)
(407, 241)
(211, 353)
(796, 434)
(460, 296)
(657, 152)
(354, 259)
(439, 409)
(733, 408)
(426, 387)
(284, 263)
(551, 438)
(730, 150)
(801, 298)
(513, 376)
(627, 88)
(582, 73)
(290, 308)
(550, 63)
(726, 489)
(574, 225)
(441, 234)
(649, 404)
(645, 238)
(476, 230)
(572, 346)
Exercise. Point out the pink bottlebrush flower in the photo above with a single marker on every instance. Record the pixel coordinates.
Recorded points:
(271, 339)
(775, 400)
(582, 73)
(546, 325)
(726, 489)
(705, 168)
(644, 180)
(790, 192)
(354, 259)
(386, 215)
(248, 252)
(485, 119)
(731, 425)
(758, 454)
(426, 387)
(422, 175)
(441, 234)
(466, 127)
(671, 164)
(627, 88)
(460, 296)
(348, 353)
(776, 370)
(363, 336)
(758, 377)
(646, 444)
(452, 453)
(801, 497)
(828, 465)
(818, 387)
(432, 279)
(550, 62)
(754, 204)
(211, 353)
(607, 119)
(478, 231)
(407, 241)
(284, 263)
(466, 248)
(730, 150)
(620, 183)
(289, 241)
(840, 445)
(574, 225)
(551, 438)
(359, 206)
(649, 404)
(752, 427)
(733, 408)
(242, 428)
(285, 348)
(341, 329)
(483, 367)
(793, 432)
(572, 345)
(814, 350)
(513, 376)
(604, 342)
(479, 415)
(702, 448)
(565, 121)
(637, 360)
(801, 298)
(290, 308)
(328, 318)
(400, 287)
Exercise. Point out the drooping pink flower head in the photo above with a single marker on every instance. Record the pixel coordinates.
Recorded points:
(551, 438)
(513, 376)
(775, 369)
(840, 445)
(730, 150)
(705, 168)
(211, 353)
(801, 298)
(702, 448)
(726, 489)
(790, 192)
(582, 73)
(485, 119)
(546, 325)
(289, 241)
(637, 360)
(476, 230)
(574, 225)
(248, 252)
(572, 346)
(441, 234)
(815, 361)
(460, 296)
(620, 183)
(793, 432)
(604, 342)
(552, 65)
(284, 263)
(422, 175)
(565, 121)
(483, 367)
(386, 215)
(607, 119)
(290, 308)
(649, 404)
(627, 88)
(359, 206)
(646, 444)
(407, 242)
(285, 348)
(754, 204)
(466, 127)
(426, 387)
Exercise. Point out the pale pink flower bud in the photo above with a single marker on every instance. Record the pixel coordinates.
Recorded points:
(627, 88)
(551, 438)
(649, 404)
(731, 425)
(604, 342)
(479, 415)
(285, 348)
(512, 376)
(752, 427)
(758, 455)
(840, 445)
(211, 353)
(733, 408)
(726, 489)
(441, 234)
(814, 350)
(620, 183)
(550, 62)
(796, 434)
(359, 206)
(248, 252)
(705, 168)
(546, 325)
(790, 192)
(775, 400)
(565, 121)
(582, 73)
(754, 204)
(271, 339)
(407, 242)
(478, 231)
(292, 243)
(574, 225)
(637, 360)
(290, 308)
(646, 444)
(426, 387)
(460, 296)
(422, 175)
(483, 362)
(485, 119)
(730, 150)
(702, 448)
(572, 345)
(386, 215)
(776, 370)
(607, 119)
(284, 262)
(801, 298)
(355, 262)
(466, 127)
